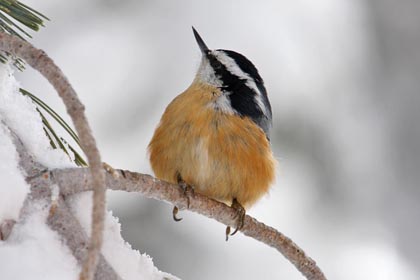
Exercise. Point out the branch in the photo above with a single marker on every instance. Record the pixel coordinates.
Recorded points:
(75, 180)
(40, 61)
(60, 217)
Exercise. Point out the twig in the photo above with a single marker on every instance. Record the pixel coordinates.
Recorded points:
(75, 180)
(40, 61)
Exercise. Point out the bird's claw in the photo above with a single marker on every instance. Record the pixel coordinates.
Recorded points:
(174, 212)
(187, 191)
(240, 218)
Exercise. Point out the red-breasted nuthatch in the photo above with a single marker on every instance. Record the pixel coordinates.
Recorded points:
(215, 136)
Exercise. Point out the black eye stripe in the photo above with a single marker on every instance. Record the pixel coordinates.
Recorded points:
(241, 96)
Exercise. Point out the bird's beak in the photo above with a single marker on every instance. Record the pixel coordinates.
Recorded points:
(204, 49)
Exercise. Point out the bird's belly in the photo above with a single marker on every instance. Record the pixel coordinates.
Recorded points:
(223, 156)
(228, 159)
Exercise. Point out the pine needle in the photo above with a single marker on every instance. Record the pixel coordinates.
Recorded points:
(55, 140)
(14, 16)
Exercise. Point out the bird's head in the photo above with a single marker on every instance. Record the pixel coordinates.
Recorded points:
(242, 87)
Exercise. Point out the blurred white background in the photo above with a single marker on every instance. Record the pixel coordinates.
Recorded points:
(343, 79)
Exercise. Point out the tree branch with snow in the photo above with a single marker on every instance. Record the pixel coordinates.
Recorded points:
(58, 185)
(60, 218)
(40, 61)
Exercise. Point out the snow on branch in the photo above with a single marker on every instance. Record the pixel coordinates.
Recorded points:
(60, 217)
(40, 61)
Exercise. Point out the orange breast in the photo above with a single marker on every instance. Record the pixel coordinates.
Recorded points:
(221, 155)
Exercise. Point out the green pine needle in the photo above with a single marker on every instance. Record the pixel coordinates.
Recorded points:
(14, 16)
(53, 114)
(23, 14)
(55, 140)
(33, 11)
(12, 24)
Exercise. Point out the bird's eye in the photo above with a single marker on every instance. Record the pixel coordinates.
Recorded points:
(218, 66)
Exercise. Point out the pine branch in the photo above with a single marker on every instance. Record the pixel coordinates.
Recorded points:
(60, 218)
(39, 60)
(13, 17)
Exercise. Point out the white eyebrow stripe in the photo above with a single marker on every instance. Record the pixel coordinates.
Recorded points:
(233, 68)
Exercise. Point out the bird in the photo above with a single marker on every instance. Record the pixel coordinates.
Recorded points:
(214, 138)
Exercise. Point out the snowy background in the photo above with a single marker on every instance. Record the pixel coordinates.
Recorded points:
(342, 77)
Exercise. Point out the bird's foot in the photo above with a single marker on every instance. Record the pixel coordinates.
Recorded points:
(188, 192)
(240, 217)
